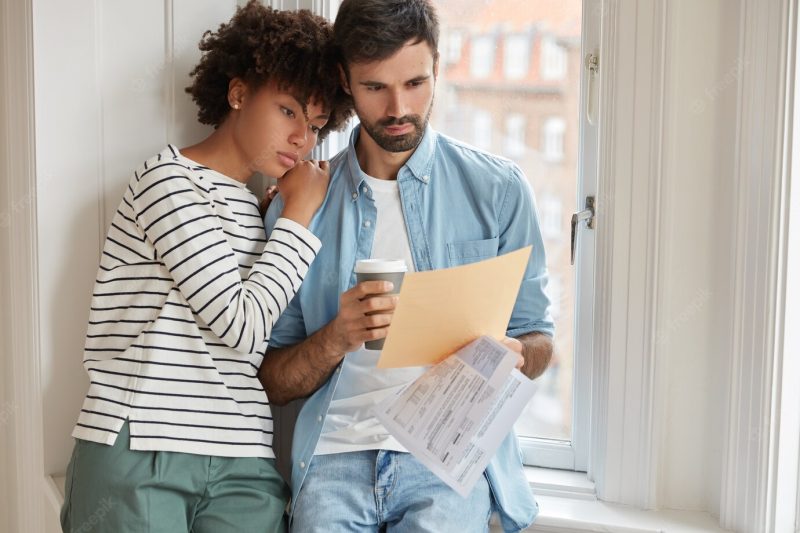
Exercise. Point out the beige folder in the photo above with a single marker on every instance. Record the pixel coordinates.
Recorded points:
(442, 310)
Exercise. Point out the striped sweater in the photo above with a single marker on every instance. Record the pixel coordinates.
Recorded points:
(186, 295)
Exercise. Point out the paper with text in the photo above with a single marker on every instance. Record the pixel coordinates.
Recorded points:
(454, 417)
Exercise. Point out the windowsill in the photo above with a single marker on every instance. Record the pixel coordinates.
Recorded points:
(567, 503)
(560, 483)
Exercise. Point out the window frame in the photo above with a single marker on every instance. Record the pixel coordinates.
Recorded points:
(542, 452)
(574, 454)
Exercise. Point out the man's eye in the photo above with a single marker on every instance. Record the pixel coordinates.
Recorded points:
(415, 83)
(315, 129)
(374, 88)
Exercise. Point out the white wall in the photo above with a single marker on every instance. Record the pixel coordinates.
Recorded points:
(697, 267)
(109, 93)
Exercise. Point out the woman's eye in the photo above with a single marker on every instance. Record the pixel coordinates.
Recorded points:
(315, 129)
(288, 112)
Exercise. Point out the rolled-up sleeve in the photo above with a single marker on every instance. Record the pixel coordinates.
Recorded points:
(519, 227)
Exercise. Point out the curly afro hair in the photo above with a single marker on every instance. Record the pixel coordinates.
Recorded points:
(260, 45)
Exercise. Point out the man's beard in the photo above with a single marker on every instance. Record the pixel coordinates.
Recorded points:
(397, 143)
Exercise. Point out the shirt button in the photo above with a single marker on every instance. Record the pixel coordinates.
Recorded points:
(368, 223)
(302, 464)
(319, 419)
(426, 178)
(365, 189)
(355, 195)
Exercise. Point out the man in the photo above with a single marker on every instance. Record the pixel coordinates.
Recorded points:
(400, 190)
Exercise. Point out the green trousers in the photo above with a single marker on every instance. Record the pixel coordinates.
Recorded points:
(117, 490)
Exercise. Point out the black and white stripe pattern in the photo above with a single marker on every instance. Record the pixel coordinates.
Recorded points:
(186, 295)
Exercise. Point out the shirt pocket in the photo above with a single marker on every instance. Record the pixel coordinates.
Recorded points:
(465, 252)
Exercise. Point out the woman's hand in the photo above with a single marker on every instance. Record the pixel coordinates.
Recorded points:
(303, 189)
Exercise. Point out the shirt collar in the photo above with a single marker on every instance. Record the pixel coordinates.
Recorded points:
(419, 164)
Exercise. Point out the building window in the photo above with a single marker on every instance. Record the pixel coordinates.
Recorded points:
(482, 56)
(515, 135)
(482, 129)
(555, 291)
(453, 46)
(553, 136)
(554, 60)
(516, 56)
(550, 211)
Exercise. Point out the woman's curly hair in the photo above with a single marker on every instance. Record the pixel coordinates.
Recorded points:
(293, 49)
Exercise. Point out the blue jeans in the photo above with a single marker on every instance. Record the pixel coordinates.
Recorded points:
(380, 490)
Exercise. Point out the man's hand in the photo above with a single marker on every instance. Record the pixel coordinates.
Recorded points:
(364, 315)
(269, 195)
(515, 346)
(297, 371)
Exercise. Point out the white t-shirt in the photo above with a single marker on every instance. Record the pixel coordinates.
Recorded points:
(350, 424)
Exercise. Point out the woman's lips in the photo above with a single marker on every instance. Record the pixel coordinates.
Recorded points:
(287, 159)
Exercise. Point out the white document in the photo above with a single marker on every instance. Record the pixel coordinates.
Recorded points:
(454, 417)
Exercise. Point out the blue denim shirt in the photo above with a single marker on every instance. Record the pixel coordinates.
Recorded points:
(460, 205)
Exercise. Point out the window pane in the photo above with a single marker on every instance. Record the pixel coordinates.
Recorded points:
(512, 87)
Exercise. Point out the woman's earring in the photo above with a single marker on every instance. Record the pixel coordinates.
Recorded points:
(236, 106)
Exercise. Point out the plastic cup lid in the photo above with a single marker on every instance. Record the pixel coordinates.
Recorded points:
(380, 266)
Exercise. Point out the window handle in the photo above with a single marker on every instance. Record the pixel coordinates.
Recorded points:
(587, 215)
(592, 64)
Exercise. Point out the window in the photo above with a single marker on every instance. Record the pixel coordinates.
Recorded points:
(516, 56)
(554, 60)
(553, 137)
(534, 119)
(515, 135)
(453, 44)
(482, 129)
(555, 293)
(550, 213)
(482, 56)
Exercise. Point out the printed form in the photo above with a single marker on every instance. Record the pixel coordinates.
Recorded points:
(455, 416)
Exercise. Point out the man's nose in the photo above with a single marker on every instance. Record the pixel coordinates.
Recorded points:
(397, 106)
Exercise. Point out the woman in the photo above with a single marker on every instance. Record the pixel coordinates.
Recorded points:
(175, 433)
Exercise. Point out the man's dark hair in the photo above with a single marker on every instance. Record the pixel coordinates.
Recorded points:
(372, 30)
(260, 45)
